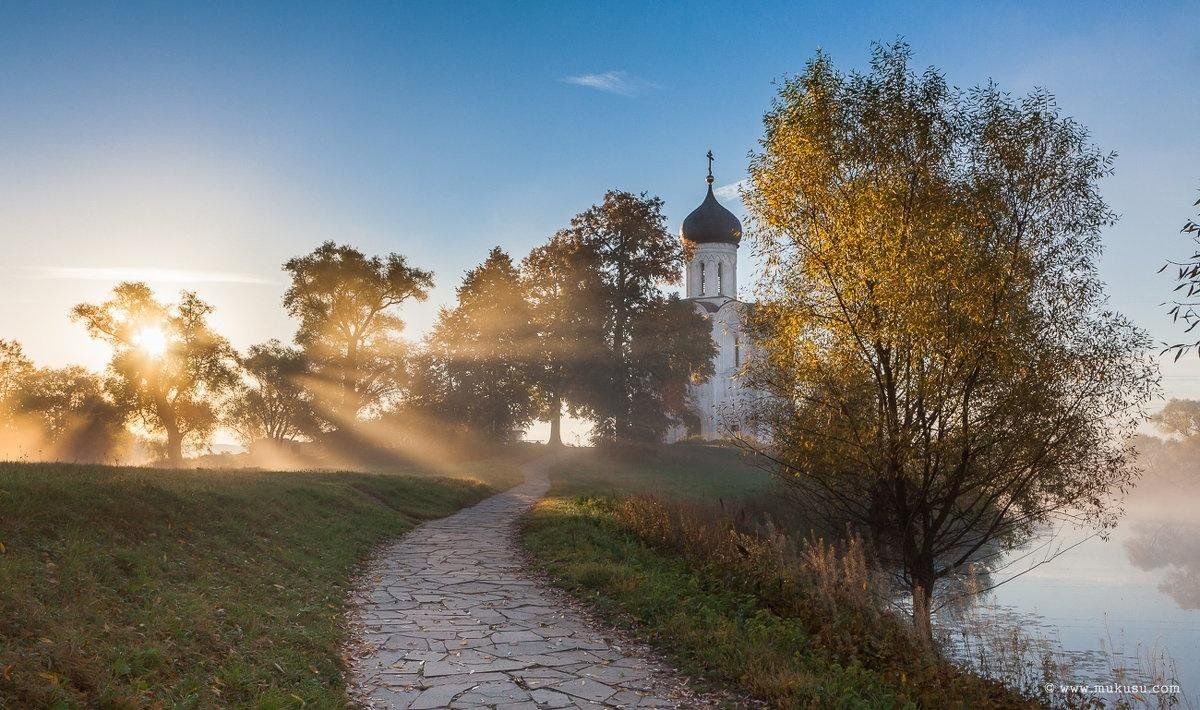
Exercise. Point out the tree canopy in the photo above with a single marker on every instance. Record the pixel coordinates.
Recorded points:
(348, 306)
(1180, 417)
(14, 365)
(635, 255)
(565, 290)
(271, 402)
(169, 368)
(476, 370)
(73, 416)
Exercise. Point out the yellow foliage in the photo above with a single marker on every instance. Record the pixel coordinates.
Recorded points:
(944, 369)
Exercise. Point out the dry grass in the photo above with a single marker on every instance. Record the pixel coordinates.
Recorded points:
(794, 622)
(996, 645)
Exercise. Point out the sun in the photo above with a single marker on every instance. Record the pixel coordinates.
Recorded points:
(151, 340)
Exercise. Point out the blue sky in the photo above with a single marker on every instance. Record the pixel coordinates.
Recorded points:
(207, 143)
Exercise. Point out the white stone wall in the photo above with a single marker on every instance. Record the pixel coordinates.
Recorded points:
(722, 402)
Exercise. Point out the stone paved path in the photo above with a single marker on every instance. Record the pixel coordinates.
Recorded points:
(448, 617)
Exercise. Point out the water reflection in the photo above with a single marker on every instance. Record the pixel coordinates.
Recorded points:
(1125, 603)
(1132, 600)
(1173, 547)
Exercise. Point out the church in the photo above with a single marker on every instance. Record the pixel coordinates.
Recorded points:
(711, 235)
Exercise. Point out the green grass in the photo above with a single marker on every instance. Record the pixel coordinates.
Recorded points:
(124, 587)
(722, 621)
(677, 471)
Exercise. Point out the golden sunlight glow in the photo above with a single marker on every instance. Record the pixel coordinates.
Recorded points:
(152, 341)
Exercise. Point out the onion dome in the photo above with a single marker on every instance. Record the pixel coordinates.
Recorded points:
(711, 223)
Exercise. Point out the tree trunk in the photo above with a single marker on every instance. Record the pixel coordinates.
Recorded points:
(174, 447)
(922, 597)
(555, 422)
(619, 327)
(346, 410)
(166, 415)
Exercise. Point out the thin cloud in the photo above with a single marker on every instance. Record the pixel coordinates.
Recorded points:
(120, 273)
(612, 82)
(732, 191)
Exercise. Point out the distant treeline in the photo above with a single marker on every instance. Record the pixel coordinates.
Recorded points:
(1171, 463)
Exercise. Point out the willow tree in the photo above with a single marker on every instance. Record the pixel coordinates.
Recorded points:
(168, 368)
(946, 373)
(272, 403)
(72, 415)
(1179, 418)
(14, 367)
(1185, 306)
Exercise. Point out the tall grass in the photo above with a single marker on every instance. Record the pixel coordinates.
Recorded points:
(790, 573)
(996, 643)
(794, 621)
(848, 605)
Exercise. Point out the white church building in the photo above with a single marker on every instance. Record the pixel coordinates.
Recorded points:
(711, 235)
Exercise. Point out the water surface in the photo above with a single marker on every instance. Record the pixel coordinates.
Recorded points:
(1124, 599)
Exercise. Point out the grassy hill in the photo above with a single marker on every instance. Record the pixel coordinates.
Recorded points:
(679, 471)
(126, 587)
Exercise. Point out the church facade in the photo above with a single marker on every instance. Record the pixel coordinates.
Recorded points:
(711, 236)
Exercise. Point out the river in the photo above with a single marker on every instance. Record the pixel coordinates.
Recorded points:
(1132, 600)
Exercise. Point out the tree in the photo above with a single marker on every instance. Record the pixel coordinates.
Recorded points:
(945, 372)
(477, 366)
(272, 403)
(1187, 307)
(1180, 417)
(14, 367)
(168, 368)
(76, 420)
(563, 285)
(636, 254)
(348, 307)
(671, 347)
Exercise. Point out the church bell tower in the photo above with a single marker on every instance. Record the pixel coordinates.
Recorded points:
(712, 234)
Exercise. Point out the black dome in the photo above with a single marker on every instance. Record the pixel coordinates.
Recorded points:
(711, 223)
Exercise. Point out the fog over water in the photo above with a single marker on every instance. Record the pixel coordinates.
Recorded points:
(1127, 598)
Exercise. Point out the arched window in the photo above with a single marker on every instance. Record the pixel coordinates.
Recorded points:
(720, 281)
(703, 287)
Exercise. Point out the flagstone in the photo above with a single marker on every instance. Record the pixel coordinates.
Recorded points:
(439, 696)
(448, 616)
